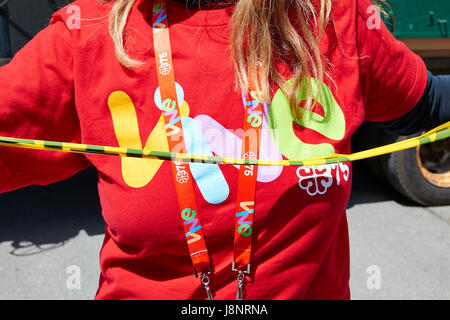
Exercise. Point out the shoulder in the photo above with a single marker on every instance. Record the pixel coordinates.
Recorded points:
(359, 20)
(84, 20)
(82, 14)
(353, 9)
(365, 9)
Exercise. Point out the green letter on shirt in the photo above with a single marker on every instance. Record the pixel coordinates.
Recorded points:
(332, 125)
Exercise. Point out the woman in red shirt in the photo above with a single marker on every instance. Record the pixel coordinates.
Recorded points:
(108, 73)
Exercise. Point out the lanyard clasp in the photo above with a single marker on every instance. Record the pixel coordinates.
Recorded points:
(205, 281)
(233, 268)
(240, 283)
(240, 279)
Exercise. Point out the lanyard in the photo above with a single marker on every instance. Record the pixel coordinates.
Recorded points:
(245, 205)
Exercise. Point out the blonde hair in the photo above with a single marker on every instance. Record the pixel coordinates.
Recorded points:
(262, 31)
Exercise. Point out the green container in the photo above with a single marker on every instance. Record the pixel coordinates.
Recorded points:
(420, 18)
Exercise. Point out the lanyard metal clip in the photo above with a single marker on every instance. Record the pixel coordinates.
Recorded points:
(233, 268)
(240, 279)
(210, 271)
(205, 281)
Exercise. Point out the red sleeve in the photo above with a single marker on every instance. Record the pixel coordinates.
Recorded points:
(37, 102)
(393, 78)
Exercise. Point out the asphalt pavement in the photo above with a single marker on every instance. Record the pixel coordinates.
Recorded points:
(50, 239)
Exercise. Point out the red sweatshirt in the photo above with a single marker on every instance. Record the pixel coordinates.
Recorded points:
(67, 85)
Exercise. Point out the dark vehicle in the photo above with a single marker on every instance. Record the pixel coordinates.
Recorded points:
(422, 174)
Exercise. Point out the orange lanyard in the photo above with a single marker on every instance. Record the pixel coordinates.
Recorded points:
(184, 187)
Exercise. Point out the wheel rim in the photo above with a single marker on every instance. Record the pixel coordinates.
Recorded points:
(434, 163)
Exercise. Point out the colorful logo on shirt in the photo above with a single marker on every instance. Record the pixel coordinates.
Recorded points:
(137, 173)
(205, 136)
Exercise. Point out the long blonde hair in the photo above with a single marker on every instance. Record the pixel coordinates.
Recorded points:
(262, 31)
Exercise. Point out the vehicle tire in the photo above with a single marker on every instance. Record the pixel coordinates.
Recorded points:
(421, 174)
